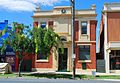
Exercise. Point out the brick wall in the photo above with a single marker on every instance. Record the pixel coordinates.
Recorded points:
(93, 24)
(48, 64)
(92, 64)
(42, 64)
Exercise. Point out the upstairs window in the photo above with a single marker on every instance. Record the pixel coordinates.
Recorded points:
(84, 27)
(43, 24)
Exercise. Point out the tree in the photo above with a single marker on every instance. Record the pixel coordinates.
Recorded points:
(21, 40)
(25, 40)
(45, 40)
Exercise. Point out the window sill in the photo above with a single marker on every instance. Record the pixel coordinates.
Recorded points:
(42, 60)
(84, 61)
(84, 34)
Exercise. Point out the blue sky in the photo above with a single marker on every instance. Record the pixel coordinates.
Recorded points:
(22, 10)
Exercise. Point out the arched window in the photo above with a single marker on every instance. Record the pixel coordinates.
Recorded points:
(63, 38)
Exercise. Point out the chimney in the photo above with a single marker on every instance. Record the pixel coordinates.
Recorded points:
(38, 8)
(93, 6)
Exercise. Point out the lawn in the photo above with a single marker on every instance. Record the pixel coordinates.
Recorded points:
(63, 76)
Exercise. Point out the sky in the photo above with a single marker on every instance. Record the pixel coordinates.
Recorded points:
(21, 10)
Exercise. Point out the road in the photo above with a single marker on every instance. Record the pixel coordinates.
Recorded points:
(41, 80)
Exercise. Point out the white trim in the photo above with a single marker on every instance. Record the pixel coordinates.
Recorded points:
(115, 71)
(44, 69)
(83, 44)
(114, 41)
(86, 41)
(106, 53)
(84, 60)
(84, 71)
(80, 28)
(88, 28)
(84, 34)
(115, 45)
(42, 60)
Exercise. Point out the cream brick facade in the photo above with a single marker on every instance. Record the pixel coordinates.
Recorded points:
(62, 25)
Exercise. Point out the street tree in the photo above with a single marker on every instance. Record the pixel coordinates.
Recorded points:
(20, 40)
(36, 40)
(46, 40)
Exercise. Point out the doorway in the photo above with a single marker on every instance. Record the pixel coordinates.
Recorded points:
(62, 64)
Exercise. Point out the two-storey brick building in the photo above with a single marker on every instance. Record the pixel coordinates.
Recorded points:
(60, 19)
(109, 40)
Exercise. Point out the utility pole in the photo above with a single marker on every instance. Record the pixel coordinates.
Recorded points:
(73, 36)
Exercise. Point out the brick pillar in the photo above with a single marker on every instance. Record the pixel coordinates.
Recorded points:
(76, 30)
(93, 24)
(76, 39)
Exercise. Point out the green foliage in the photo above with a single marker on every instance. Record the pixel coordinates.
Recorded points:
(45, 39)
(24, 40)
(0, 33)
(37, 40)
(19, 40)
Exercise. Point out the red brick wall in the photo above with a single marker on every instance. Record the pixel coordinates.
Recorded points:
(78, 64)
(76, 30)
(93, 24)
(35, 24)
(113, 26)
(26, 57)
(92, 64)
(48, 64)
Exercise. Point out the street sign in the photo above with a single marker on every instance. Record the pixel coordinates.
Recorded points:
(73, 56)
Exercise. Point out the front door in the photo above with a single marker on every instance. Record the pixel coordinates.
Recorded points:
(63, 60)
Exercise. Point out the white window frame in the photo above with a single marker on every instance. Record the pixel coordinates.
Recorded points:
(81, 27)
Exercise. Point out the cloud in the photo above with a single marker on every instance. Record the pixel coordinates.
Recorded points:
(26, 5)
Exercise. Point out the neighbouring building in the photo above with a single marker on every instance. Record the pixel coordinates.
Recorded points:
(8, 56)
(109, 39)
(60, 19)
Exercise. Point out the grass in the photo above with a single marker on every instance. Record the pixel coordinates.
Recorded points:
(45, 75)
(108, 77)
(8, 75)
(63, 76)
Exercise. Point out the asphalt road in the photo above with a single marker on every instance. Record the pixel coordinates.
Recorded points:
(23, 80)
